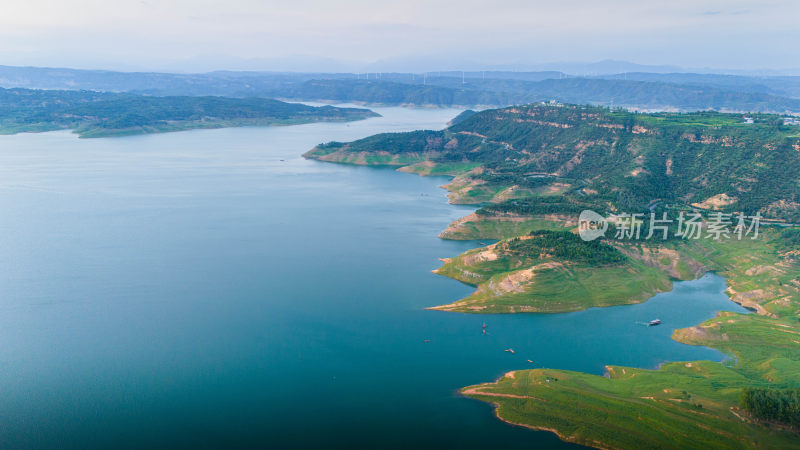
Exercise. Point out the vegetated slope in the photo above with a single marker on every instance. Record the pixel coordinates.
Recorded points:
(94, 114)
(550, 271)
(619, 160)
(464, 115)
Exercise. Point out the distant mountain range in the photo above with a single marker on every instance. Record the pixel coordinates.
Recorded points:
(633, 90)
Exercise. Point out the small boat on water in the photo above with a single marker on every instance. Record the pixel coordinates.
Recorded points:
(654, 322)
(510, 350)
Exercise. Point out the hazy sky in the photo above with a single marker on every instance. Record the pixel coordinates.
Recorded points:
(412, 34)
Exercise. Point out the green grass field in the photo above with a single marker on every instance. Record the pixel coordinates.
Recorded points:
(681, 405)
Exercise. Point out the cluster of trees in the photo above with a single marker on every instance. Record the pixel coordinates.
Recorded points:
(536, 206)
(566, 246)
(773, 405)
(422, 141)
(515, 179)
(439, 143)
(790, 238)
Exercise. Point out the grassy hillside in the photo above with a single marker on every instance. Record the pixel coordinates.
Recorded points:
(550, 271)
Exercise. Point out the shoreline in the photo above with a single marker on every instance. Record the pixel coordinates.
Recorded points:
(92, 132)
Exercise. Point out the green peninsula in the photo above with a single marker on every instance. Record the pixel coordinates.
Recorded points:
(550, 271)
(97, 114)
(533, 168)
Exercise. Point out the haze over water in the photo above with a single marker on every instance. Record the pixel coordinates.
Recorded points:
(213, 289)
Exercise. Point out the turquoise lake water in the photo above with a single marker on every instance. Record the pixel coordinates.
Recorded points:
(213, 289)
